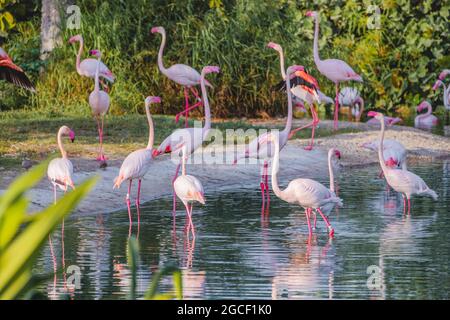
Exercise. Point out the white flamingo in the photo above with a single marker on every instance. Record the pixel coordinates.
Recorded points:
(388, 121)
(99, 102)
(182, 74)
(191, 137)
(60, 170)
(11, 72)
(87, 67)
(426, 120)
(189, 189)
(308, 193)
(402, 181)
(446, 96)
(394, 152)
(259, 150)
(137, 163)
(351, 97)
(334, 69)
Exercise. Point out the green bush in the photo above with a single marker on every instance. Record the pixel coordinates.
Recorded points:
(398, 62)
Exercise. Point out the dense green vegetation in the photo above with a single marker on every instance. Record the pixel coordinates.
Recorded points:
(399, 61)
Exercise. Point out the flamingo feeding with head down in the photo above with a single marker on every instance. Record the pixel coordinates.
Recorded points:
(402, 181)
(426, 120)
(60, 170)
(191, 137)
(334, 69)
(10, 72)
(308, 193)
(394, 152)
(182, 74)
(189, 189)
(306, 90)
(351, 97)
(99, 102)
(440, 82)
(137, 163)
(88, 67)
(259, 150)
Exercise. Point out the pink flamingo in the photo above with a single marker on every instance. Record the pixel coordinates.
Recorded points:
(334, 69)
(10, 72)
(388, 121)
(440, 82)
(87, 67)
(189, 189)
(191, 137)
(394, 152)
(182, 74)
(60, 170)
(402, 181)
(306, 90)
(351, 97)
(427, 120)
(99, 102)
(137, 163)
(259, 150)
(309, 194)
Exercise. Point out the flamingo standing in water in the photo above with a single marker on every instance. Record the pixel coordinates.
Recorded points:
(306, 90)
(259, 150)
(189, 189)
(308, 193)
(60, 170)
(88, 67)
(402, 181)
(137, 163)
(10, 72)
(334, 69)
(351, 97)
(192, 138)
(99, 102)
(182, 74)
(440, 82)
(427, 120)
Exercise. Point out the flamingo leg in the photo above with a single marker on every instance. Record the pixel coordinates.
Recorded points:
(263, 187)
(308, 212)
(404, 204)
(336, 107)
(266, 182)
(138, 201)
(129, 202)
(191, 224)
(315, 219)
(189, 108)
(409, 206)
(102, 155)
(174, 195)
(186, 97)
(314, 124)
(330, 228)
(293, 132)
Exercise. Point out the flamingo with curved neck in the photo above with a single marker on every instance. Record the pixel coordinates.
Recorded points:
(402, 181)
(99, 102)
(137, 163)
(182, 74)
(446, 97)
(427, 120)
(334, 69)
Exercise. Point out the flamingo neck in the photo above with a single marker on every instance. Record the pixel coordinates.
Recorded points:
(331, 171)
(183, 160)
(205, 103)
(160, 53)
(60, 144)
(275, 167)
(151, 130)
(381, 147)
(80, 52)
(288, 127)
(317, 60)
(97, 75)
(283, 69)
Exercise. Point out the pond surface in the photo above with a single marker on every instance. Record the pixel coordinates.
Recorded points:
(377, 252)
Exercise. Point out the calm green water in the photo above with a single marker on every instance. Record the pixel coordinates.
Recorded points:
(240, 254)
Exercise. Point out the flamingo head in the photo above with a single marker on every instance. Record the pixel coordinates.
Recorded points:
(72, 136)
(394, 121)
(437, 84)
(65, 130)
(423, 105)
(200, 197)
(211, 69)
(311, 14)
(337, 154)
(392, 163)
(376, 115)
(76, 38)
(444, 74)
(275, 46)
(294, 69)
(95, 53)
(157, 30)
(151, 99)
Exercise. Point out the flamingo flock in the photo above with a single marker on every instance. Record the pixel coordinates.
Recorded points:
(300, 87)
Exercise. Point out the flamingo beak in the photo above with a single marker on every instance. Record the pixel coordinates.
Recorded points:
(154, 30)
(200, 197)
(436, 85)
(72, 136)
(372, 114)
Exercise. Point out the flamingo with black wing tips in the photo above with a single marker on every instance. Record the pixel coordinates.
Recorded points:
(12, 73)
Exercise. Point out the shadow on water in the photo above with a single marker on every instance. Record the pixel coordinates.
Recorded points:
(377, 252)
